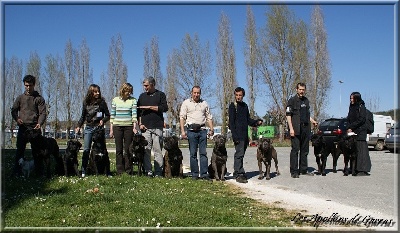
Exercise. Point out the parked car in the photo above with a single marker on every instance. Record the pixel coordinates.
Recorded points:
(381, 126)
(331, 128)
(392, 139)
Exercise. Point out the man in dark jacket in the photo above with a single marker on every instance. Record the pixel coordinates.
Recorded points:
(151, 106)
(298, 118)
(239, 120)
(29, 111)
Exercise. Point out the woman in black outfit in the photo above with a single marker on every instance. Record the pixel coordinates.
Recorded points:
(356, 123)
(95, 113)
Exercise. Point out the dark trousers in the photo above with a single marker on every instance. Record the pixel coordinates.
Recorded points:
(299, 143)
(20, 152)
(123, 137)
(240, 150)
(363, 160)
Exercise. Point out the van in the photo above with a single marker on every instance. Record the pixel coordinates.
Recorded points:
(381, 126)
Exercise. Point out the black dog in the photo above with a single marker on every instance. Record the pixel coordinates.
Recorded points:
(99, 162)
(265, 153)
(217, 168)
(347, 146)
(322, 149)
(137, 151)
(42, 149)
(321, 152)
(173, 157)
(71, 158)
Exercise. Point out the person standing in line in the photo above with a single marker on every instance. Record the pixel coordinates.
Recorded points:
(151, 105)
(298, 119)
(196, 112)
(95, 113)
(123, 124)
(356, 123)
(29, 111)
(239, 120)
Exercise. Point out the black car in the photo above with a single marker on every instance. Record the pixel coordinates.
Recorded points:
(331, 128)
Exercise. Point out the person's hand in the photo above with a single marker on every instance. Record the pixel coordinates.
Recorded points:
(259, 122)
(37, 126)
(183, 135)
(210, 132)
(77, 129)
(101, 123)
(349, 130)
(142, 127)
(291, 133)
(134, 130)
(111, 134)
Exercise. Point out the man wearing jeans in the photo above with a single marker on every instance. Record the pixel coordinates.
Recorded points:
(196, 112)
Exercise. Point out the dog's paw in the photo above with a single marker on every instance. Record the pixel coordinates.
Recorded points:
(260, 177)
(267, 178)
(323, 174)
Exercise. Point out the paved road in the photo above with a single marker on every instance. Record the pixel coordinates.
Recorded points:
(377, 192)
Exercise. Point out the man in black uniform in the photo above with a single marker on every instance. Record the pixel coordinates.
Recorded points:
(298, 118)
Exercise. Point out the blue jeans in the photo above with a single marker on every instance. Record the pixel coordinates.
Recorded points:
(87, 143)
(198, 140)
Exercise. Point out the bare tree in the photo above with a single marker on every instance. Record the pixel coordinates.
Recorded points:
(12, 80)
(51, 77)
(117, 70)
(86, 73)
(251, 56)
(152, 63)
(226, 69)
(174, 97)
(321, 81)
(277, 59)
(193, 63)
(105, 92)
(33, 67)
(372, 101)
(72, 87)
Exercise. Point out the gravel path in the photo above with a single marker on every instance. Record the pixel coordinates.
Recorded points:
(333, 197)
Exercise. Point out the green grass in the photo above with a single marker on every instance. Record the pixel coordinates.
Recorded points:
(129, 202)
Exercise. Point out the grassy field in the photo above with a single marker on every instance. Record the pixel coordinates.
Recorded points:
(129, 202)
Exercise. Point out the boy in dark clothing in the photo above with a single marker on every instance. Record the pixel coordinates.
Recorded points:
(239, 120)
(29, 111)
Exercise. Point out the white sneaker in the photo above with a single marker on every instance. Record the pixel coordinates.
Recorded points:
(83, 173)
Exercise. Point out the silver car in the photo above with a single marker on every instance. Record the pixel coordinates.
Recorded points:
(392, 139)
